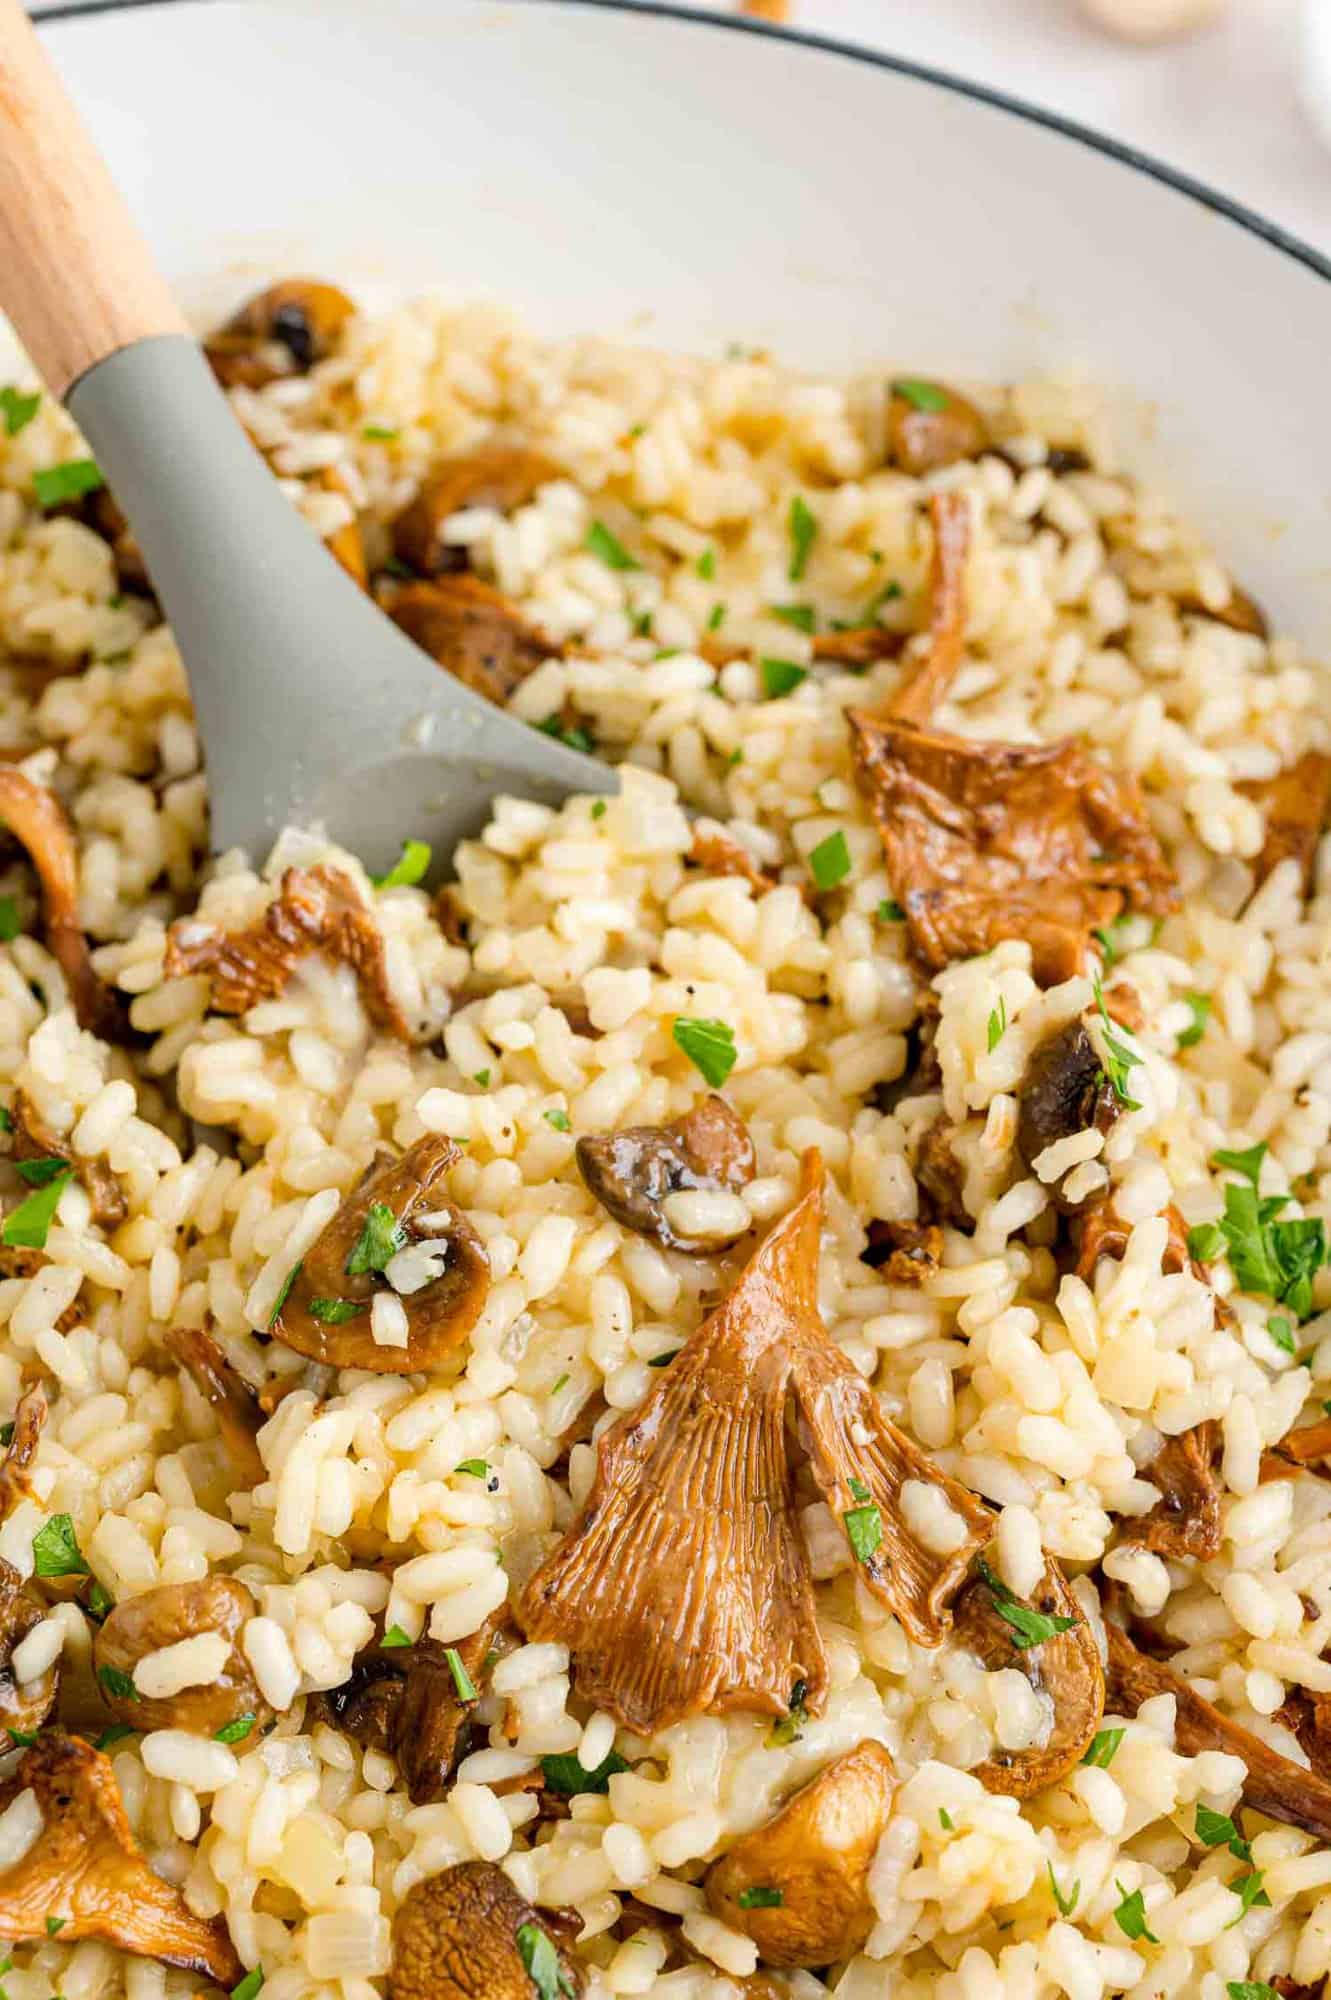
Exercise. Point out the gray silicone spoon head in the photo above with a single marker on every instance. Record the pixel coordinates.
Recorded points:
(314, 709)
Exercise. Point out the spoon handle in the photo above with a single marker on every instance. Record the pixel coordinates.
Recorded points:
(76, 278)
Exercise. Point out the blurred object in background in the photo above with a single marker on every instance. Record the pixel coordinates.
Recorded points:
(1315, 65)
(766, 10)
(1153, 20)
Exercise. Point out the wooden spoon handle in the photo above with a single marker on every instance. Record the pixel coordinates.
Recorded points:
(76, 278)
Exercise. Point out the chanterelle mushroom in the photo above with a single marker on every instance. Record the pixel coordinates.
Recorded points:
(85, 1869)
(36, 818)
(862, 645)
(683, 1585)
(173, 1612)
(34, 1139)
(1064, 1091)
(235, 1405)
(799, 1886)
(1297, 803)
(472, 631)
(502, 476)
(399, 1210)
(316, 909)
(930, 425)
(634, 1173)
(281, 331)
(24, 1705)
(468, 1935)
(29, 1421)
(1049, 1641)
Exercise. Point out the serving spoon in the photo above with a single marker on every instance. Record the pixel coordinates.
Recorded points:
(313, 708)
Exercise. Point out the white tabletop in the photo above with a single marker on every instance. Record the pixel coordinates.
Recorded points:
(1224, 105)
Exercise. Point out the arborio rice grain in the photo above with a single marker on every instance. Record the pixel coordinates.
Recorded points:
(702, 531)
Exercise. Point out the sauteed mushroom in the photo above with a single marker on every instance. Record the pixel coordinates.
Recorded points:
(33, 1139)
(1240, 612)
(502, 476)
(905, 1252)
(29, 1422)
(1297, 804)
(634, 1173)
(1064, 1664)
(683, 1585)
(1186, 1524)
(799, 1886)
(1064, 1090)
(316, 909)
(36, 818)
(399, 1207)
(24, 1705)
(85, 1869)
(930, 425)
(468, 1935)
(949, 515)
(281, 331)
(472, 631)
(717, 852)
(235, 1405)
(166, 1616)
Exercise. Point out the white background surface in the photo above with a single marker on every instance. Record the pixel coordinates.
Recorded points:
(1223, 105)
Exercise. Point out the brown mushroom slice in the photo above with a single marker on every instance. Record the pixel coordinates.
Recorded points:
(861, 1463)
(165, 1616)
(987, 841)
(326, 1313)
(283, 330)
(683, 1586)
(1306, 1448)
(1185, 1525)
(24, 1705)
(1101, 1232)
(916, 699)
(905, 1253)
(29, 1422)
(239, 1414)
(1241, 612)
(1309, 1716)
(473, 632)
(501, 476)
(858, 646)
(36, 818)
(35, 1140)
(316, 909)
(930, 426)
(1297, 804)
(717, 852)
(1064, 1091)
(941, 1175)
(467, 1934)
(1065, 1666)
(1274, 1785)
(86, 1870)
(634, 1172)
(799, 1886)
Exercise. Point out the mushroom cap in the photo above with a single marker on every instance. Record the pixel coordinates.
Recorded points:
(25, 1705)
(36, 818)
(816, 1856)
(473, 631)
(924, 440)
(497, 475)
(1064, 1090)
(140, 1625)
(634, 1171)
(439, 1316)
(1066, 1667)
(235, 1405)
(306, 316)
(459, 1936)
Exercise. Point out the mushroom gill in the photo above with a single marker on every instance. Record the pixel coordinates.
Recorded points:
(316, 909)
(634, 1172)
(799, 1886)
(398, 1209)
(86, 1872)
(38, 821)
(473, 631)
(1065, 1665)
(233, 1402)
(917, 697)
(683, 1586)
(29, 1422)
(466, 1934)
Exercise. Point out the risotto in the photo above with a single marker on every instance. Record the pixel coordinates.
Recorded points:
(734, 1403)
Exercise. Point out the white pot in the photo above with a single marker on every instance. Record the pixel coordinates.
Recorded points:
(695, 181)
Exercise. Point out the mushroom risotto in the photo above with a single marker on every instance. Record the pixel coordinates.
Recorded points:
(735, 1403)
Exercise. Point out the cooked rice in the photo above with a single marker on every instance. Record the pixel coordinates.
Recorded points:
(235, 1140)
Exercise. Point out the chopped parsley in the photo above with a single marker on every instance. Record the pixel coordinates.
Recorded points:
(802, 526)
(409, 868)
(889, 911)
(115, 1734)
(234, 1732)
(1029, 1628)
(736, 757)
(475, 1468)
(1103, 1748)
(572, 739)
(1281, 1331)
(946, 1821)
(802, 616)
(100, 1601)
(54, 1925)
(1248, 1163)
(541, 1960)
(27, 1226)
(878, 600)
(864, 1526)
(706, 565)
(17, 409)
(791, 1725)
(919, 394)
(38, 1173)
(462, 1680)
(9, 923)
(380, 433)
(7, 1434)
(598, 808)
(760, 1897)
(1130, 1916)
(664, 1360)
(381, 1237)
(1119, 1061)
(557, 1386)
(55, 484)
(118, 1684)
(395, 1636)
(333, 1312)
(1278, 1259)
(709, 1046)
(609, 548)
(1066, 1904)
(997, 1024)
(22, 1737)
(1250, 1989)
(249, 1985)
(565, 1775)
(716, 617)
(780, 677)
(1248, 1888)
(482, 1077)
(1218, 1830)
(1109, 937)
(559, 1119)
(56, 1551)
(1200, 1005)
(284, 1294)
(829, 862)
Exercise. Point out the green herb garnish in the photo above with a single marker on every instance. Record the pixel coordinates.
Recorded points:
(1130, 1916)
(802, 526)
(1029, 1628)
(997, 1024)
(716, 617)
(1248, 1164)
(1066, 1904)
(1119, 1059)
(889, 911)
(27, 1226)
(864, 1531)
(1200, 1004)
(572, 739)
(284, 1294)
(395, 1636)
(829, 862)
(380, 1239)
(410, 867)
(1248, 1888)
(919, 394)
(55, 484)
(946, 1821)
(56, 1551)
(24, 1738)
(598, 808)
(663, 1360)
(54, 1925)
(1110, 940)
(789, 1728)
(709, 1046)
(541, 1960)
(565, 1775)
(1282, 1333)
(802, 616)
(9, 923)
(706, 565)
(559, 1119)
(234, 1732)
(100, 1601)
(1218, 1830)
(249, 1985)
(609, 548)
(18, 410)
(379, 433)
(1250, 1989)
(760, 1897)
(40, 1173)
(462, 1680)
(475, 1468)
(780, 677)
(1103, 1747)
(115, 1734)
(118, 1684)
(334, 1312)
